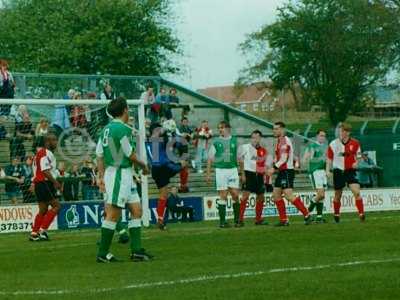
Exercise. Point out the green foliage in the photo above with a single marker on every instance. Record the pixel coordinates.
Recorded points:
(326, 52)
(123, 37)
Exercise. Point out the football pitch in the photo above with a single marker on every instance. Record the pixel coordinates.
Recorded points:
(350, 260)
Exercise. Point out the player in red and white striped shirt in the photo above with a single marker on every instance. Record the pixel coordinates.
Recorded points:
(46, 186)
(343, 155)
(253, 161)
(284, 167)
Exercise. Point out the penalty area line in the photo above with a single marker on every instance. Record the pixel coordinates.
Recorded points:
(201, 278)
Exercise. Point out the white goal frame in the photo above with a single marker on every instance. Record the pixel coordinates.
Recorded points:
(142, 134)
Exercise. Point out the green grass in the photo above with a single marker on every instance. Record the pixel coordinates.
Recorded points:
(188, 251)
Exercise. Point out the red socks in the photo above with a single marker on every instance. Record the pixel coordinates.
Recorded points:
(360, 205)
(280, 205)
(336, 208)
(48, 219)
(161, 204)
(259, 210)
(243, 204)
(300, 206)
(37, 223)
(184, 175)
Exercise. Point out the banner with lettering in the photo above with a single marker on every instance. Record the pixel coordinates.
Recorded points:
(19, 218)
(374, 200)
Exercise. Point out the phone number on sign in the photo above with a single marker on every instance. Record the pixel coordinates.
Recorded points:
(15, 227)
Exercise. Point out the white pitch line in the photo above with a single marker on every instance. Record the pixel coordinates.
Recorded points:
(200, 278)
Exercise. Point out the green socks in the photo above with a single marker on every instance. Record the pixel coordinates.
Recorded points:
(236, 211)
(135, 232)
(107, 233)
(312, 206)
(222, 211)
(320, 208)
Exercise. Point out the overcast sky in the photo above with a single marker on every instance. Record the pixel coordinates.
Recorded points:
(211, 31)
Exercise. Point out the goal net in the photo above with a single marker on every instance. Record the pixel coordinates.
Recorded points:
(77, 124)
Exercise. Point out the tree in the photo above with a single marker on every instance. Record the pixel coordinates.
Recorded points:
(327, 52)
(89, 36)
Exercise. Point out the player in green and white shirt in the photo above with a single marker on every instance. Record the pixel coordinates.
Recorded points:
(223, 155)
(315, 157)
(115, 159)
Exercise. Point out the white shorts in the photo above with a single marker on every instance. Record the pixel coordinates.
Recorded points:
(319, 179)
(120, 187)
(226, 178)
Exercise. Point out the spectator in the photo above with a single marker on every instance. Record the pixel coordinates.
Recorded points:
(78, 118)
(92, 116)
(148, 95)
(155, 113)
(203, 136)
(177, 207)
(185, 133)
(27, 187)
(365, 174)
(42, 129)
(162, 97)
(7, 87)
(71, 185)
(23, 124)
(173, 98)
(61, 116)
(15, 174)
(17, 148)
(90, 190)
(3, 132)
(107, 93)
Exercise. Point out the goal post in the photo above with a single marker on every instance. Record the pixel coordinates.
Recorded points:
(77, 123)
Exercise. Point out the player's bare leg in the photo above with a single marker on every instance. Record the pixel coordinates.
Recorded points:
(259, 209)
(281, 207)
(355, 189)
(243, 205)
(113, 213)
(236, 205)
(222, 202)
(336, 205)
(161, 207)
(296, 201)
(135, 232)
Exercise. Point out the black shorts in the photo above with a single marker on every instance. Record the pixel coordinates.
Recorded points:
(254, 183)
(269, 188)
(342, 178)
(45, 191)
(285, 179)
(163, 174)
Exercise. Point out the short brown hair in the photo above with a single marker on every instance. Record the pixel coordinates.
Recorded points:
(321, 130)
(346, 127)
(4, 63)
(280, 124)
(225, 124)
